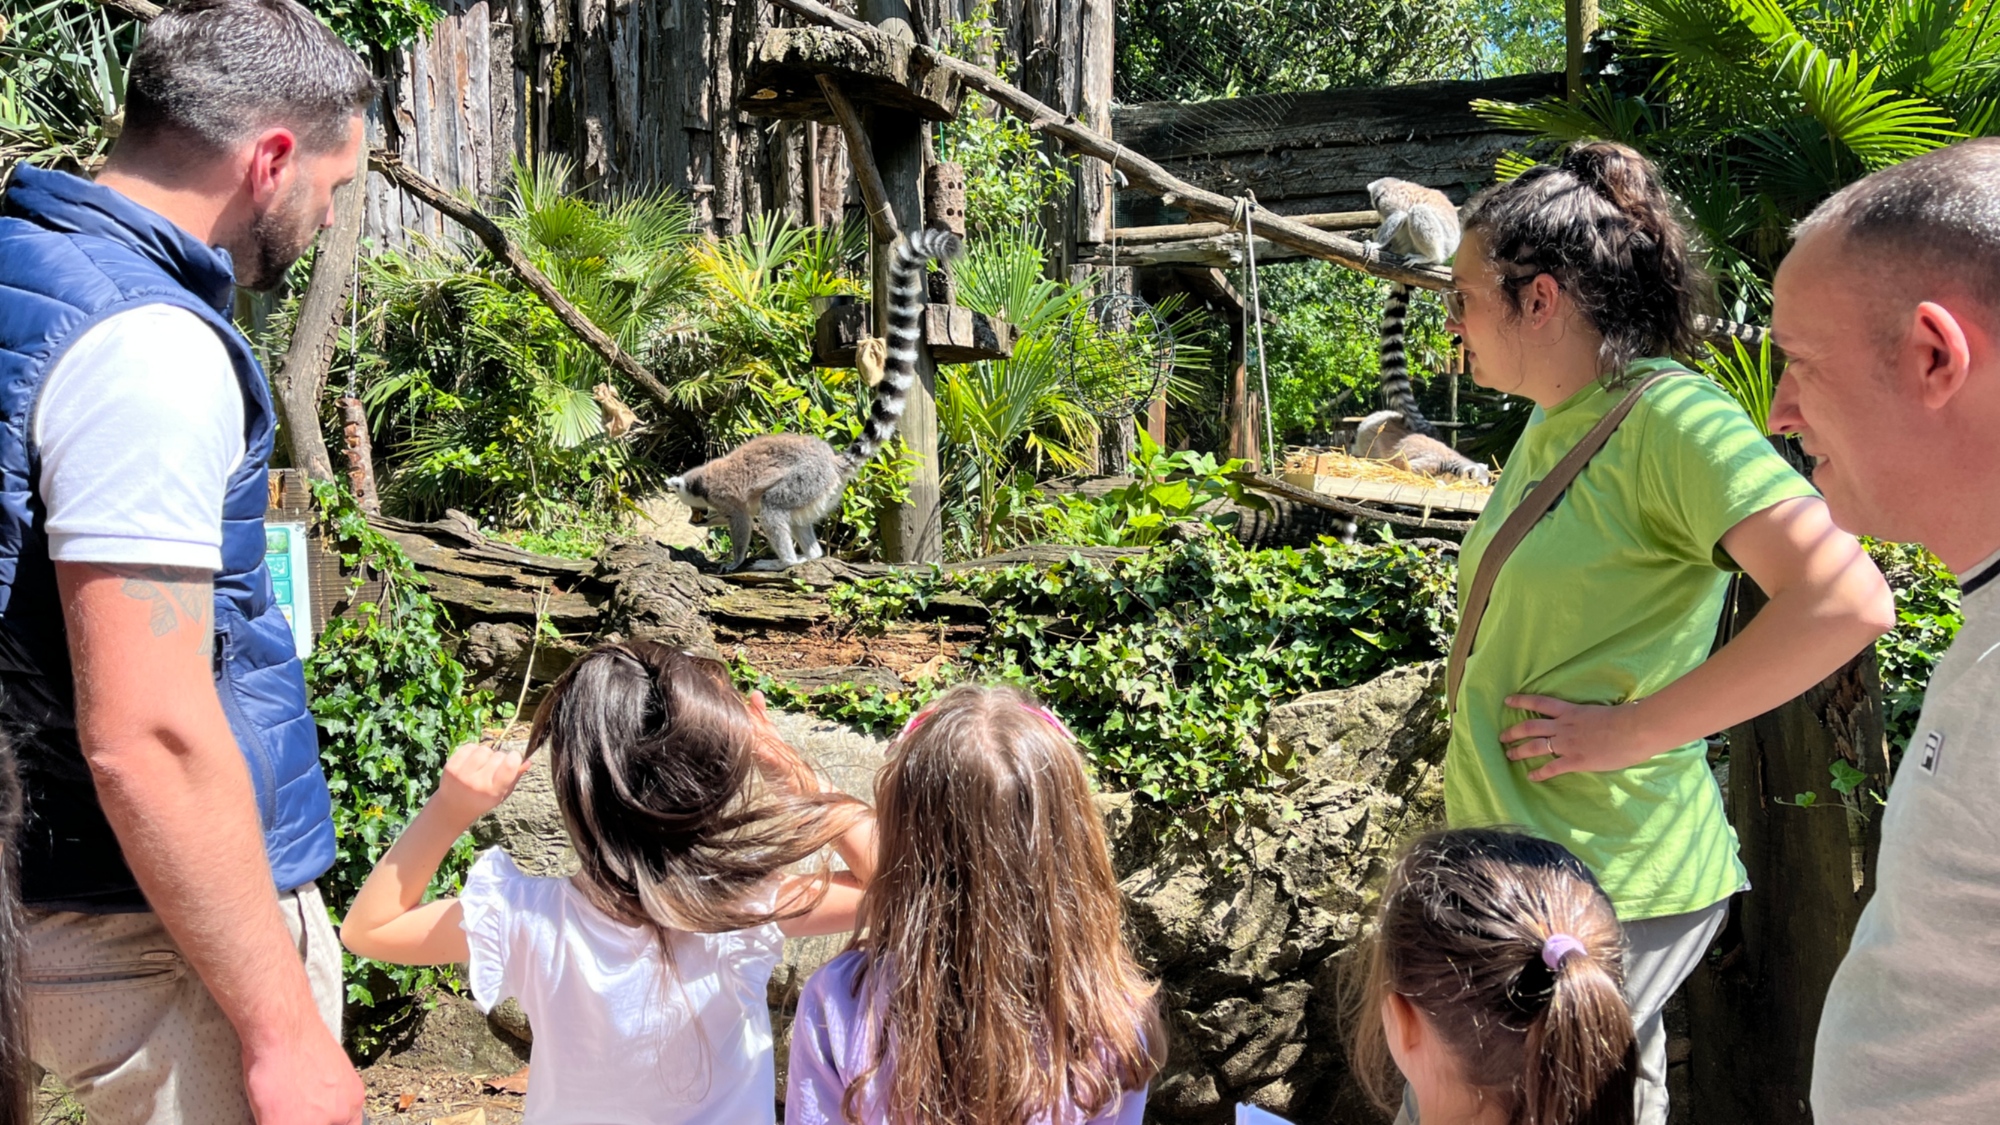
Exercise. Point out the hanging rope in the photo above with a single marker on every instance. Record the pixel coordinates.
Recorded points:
(1245, 204)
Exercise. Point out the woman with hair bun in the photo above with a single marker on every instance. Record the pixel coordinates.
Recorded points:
(1493, 983)
(1583, 697)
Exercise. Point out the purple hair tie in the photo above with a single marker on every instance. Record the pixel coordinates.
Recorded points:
(1559, 947)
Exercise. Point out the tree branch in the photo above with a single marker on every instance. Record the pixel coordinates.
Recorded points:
(861, 154)
(309, 355)
(503, 248)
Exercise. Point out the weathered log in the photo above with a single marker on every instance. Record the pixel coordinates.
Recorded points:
(502, 247)
(309, 355)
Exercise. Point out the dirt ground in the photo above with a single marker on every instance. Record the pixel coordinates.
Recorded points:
(905, 653)
(398, 1095)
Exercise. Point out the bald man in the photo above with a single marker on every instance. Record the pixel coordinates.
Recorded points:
(1888, 308)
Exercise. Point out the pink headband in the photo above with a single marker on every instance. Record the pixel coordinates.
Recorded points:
(919, 717)
(1558, 948)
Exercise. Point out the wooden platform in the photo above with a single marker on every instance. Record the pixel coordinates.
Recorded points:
(782, 79)
(1401, 495)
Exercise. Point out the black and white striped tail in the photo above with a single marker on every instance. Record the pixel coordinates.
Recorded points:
(1396, 392)
(906, 310)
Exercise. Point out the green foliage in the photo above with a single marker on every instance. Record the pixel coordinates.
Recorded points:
(1011, 177)
(1000, 421)
(391, 703)
(1927, 620)
(481, 398)
(1166, 488)
(1759, 109)
(1750, 377)
(1519, 36)
(1166, 663)
(382, 25)
(62, 76)
(1191, 50)
(1323, 354)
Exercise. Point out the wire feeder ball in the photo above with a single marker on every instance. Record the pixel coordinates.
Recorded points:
(1120, 351)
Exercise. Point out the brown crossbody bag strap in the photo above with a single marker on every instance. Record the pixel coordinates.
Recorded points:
(1521, 521)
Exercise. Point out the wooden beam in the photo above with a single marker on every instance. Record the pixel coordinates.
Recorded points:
(861, 155)
(488, 232)
(1145, 173)
(1174, 232)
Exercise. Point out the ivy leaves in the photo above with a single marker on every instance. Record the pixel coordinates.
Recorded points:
(1165, 664)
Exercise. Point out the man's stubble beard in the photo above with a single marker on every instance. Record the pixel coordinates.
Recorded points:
(279, 237)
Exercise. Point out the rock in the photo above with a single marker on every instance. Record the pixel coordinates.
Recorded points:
(1245, 927)
(453, 1035)
(665, 520)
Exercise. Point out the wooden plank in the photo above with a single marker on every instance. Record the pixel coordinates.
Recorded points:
(1177, 232)
(477, 37)
(1386, 492)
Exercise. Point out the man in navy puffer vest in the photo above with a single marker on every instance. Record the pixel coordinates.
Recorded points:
(179, 962)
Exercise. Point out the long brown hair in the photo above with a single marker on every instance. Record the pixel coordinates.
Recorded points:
(994, 927)
(1601, 223)
(1464, 935)
(652, 753)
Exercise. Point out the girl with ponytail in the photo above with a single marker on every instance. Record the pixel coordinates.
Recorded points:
(1582, 698)
(1494, 986)
(643, 975)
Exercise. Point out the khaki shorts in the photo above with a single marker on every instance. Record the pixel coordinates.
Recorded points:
(117, 1014)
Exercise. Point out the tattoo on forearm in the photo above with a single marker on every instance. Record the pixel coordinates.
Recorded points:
(182, 599)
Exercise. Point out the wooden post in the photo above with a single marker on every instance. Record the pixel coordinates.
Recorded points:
(1754, 1004)
(1579, 24)
(910, 532)
(1241, 405)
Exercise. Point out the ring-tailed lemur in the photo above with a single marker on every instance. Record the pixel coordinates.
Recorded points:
(1422, 224)
(787, 483)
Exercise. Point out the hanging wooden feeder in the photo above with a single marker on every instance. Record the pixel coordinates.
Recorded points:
(782, 76)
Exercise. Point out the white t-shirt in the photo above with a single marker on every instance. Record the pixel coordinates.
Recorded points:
(618, 1040)
(1910, 1034)
(139, 425)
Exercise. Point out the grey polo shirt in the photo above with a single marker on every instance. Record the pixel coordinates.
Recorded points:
(1911, 1030)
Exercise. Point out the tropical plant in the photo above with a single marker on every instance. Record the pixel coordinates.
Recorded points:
(1166, 488)
(481, 398)
(62, 77)
(1759, 109)
(1750, 375)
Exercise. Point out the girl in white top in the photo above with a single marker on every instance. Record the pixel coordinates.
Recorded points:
(644, 974)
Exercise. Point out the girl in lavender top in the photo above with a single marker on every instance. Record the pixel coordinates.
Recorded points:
(993, 959)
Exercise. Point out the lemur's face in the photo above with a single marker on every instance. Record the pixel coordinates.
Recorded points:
(688, 495)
